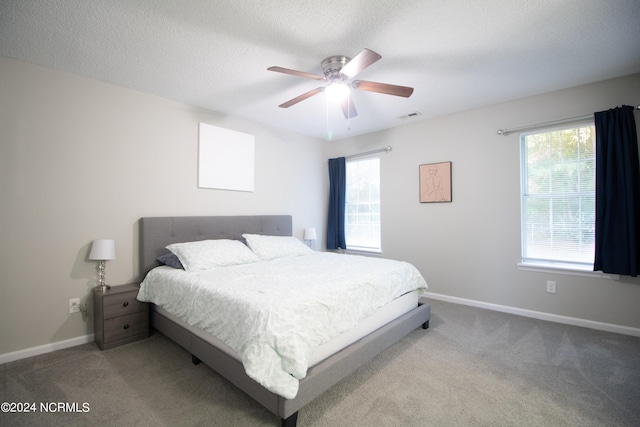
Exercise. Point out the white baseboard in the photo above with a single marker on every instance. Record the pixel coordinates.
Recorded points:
(574, 321)
(46, 348)
(609, 327)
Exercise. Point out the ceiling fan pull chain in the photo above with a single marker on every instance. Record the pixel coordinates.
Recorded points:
(349, 112)
(326, 106)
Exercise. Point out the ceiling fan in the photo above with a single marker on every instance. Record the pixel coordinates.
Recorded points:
(338, 70)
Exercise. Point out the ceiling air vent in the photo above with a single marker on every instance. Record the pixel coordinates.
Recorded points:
(410, 115)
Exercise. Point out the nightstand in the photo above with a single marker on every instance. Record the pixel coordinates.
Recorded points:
(118, 317)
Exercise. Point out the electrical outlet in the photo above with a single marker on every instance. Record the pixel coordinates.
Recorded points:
(74, 305)
(551, 286)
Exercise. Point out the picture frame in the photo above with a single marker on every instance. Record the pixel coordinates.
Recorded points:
(435, 183)
(225, 159)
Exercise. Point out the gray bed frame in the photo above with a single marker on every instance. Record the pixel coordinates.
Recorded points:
(158, 232)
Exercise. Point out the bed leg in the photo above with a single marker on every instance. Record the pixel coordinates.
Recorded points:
(425, 325)
(195, 360)
(291, 421)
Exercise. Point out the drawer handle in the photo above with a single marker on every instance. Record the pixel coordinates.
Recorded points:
(126, 326)
(125, 304)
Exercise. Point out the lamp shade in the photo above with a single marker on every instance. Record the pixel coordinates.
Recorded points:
(103, 250)
(310, 233)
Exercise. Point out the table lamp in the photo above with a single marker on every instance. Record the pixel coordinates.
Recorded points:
(310, 235)
(102, 250)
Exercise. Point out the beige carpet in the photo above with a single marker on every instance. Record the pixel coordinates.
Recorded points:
(473, 367)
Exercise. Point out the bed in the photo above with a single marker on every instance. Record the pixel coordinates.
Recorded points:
(325, 370)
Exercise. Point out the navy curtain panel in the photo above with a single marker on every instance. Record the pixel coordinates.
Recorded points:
(617, 193)
(337, 201)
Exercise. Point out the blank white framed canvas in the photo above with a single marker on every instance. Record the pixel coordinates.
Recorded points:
(225, 159)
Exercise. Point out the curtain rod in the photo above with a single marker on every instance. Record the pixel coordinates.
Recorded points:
(379, 150)
(505, 132)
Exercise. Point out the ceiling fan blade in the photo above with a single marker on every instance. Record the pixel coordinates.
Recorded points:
(403, 91)
(360, 62)
(296, 73)
(301, 97)
(349, 108)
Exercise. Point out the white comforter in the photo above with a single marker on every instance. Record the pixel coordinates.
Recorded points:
(275, 313)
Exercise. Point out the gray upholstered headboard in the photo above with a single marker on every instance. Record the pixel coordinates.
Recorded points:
(158, 232)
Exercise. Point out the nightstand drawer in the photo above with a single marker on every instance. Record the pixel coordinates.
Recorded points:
(122, 304)
(126, 326)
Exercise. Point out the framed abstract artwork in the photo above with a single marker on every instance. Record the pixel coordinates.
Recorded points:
(435, 182)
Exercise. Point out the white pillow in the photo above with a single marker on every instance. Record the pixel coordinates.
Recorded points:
(206, 254)
(272, 247)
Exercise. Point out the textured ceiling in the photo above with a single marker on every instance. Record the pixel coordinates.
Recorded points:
(457, 54)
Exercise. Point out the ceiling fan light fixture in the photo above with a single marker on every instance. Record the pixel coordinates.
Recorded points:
(338, 71)
(337, 91)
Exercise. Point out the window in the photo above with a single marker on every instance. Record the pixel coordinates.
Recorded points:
(362, 214)
(558, 196)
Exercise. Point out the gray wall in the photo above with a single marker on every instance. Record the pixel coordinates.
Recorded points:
(468, 249)
(81, 160)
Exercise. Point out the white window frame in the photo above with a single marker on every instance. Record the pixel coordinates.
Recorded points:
(368, 218)
(551, 264)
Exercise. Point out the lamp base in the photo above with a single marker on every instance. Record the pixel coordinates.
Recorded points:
(102, 288)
